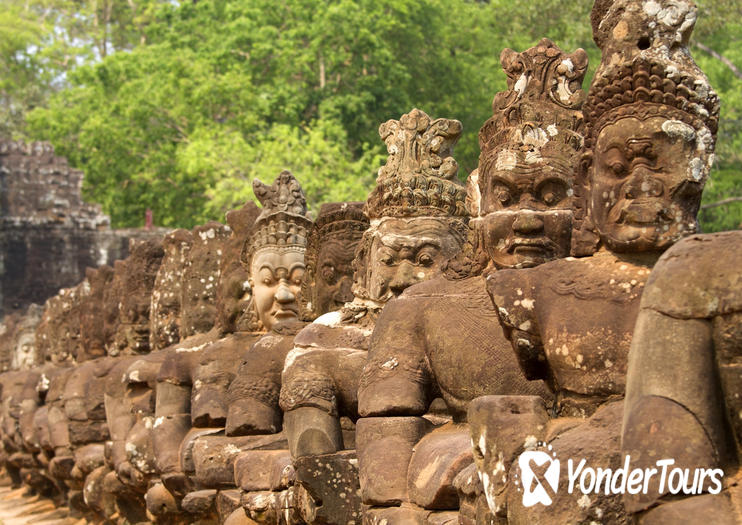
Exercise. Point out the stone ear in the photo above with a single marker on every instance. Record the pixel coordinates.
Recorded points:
(306, 301)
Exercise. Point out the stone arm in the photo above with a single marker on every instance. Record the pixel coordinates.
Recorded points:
(56, 417)
(254, 393)
(513, 298)
(30, 401)
(84, 403)
(397, 379)
(173, 408)
(673, 407)
(216, 371)
(120, 419)
(682, 386)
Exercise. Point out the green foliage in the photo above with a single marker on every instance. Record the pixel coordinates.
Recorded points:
(178, 107)
(41, 40)
(22, 79)
(720, 32)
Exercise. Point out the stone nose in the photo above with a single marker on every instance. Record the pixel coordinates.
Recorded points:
(345, 290)
(528, 223)
(643, 183)
(284, 294)
(403, 277)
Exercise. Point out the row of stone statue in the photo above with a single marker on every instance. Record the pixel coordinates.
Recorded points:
(273, 370)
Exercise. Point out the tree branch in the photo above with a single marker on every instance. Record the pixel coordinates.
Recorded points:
(721, 202)
(724, 60)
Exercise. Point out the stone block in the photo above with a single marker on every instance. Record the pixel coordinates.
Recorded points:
(332, 488)
(226, 503)
(261, 469)
(199, 502)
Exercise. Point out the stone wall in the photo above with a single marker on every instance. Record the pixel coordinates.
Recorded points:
(48, 234)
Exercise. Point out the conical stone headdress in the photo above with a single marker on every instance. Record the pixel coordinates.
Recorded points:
(282, 223)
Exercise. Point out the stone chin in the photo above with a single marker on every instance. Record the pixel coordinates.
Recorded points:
(508, 248)
(649, 238)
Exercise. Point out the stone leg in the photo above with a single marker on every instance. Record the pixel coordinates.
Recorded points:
(501, 427)
(253, 394)
(396, 379)
(328, 488)
(436, 461)
(172, 423)
(706, 508)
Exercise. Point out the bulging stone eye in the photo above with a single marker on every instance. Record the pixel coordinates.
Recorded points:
(386, 259)
(552, 192)
(502, 195)
(425, 259)
(328, 274)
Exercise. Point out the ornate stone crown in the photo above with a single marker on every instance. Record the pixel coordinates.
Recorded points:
(282, 222)
(540, 113)
(419, 177)
(646, 62)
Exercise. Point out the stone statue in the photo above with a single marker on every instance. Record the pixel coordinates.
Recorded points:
(190, 272)
(682, 390)
(418, 221)
(331, 245)
(442, 338)
(193, 402)
(199, 284)
(18, 339)
(58, 333)
(93, 341)
(650, 125)
(165, 308)
(331, 248)
(79, 419)
(139, 272)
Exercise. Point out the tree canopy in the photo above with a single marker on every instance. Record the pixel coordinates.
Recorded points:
(177, 106)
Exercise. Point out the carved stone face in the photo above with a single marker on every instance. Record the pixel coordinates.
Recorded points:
(647, 179)
(201, 278)
(168, 289)
(408, 251)
(235, 298)
(135, 322)
(25, 351)
(276, 281)
(527, 213)
(164, 322)
(334, 274)
(199, 311)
